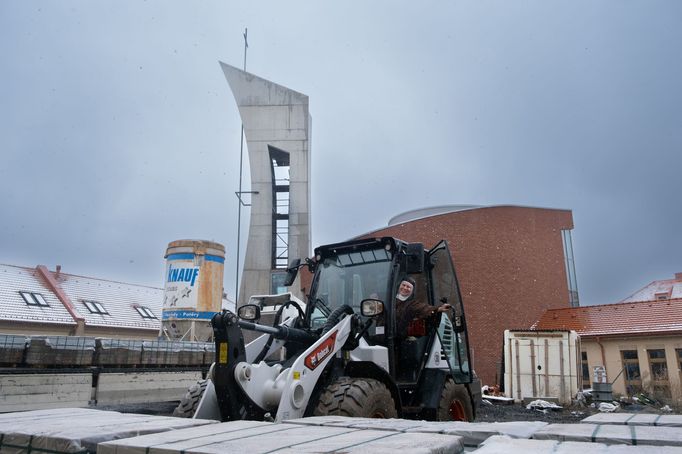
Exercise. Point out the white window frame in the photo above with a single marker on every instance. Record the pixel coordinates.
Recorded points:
(33, 299)
(95, 307)
(146, 313)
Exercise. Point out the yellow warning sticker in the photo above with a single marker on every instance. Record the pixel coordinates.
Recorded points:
(297, 375)
(223, 353)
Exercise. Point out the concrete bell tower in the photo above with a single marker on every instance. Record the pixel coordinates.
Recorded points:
(277, 127)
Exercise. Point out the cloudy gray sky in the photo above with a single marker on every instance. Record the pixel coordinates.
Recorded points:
(118, 132)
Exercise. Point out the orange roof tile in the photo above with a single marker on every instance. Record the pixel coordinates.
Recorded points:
(648, 317)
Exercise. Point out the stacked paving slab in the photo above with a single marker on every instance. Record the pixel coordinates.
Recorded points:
(93, 431)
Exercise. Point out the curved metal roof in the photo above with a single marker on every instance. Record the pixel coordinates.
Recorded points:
(420, 213)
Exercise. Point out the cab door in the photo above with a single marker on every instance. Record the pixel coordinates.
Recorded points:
(452, 330)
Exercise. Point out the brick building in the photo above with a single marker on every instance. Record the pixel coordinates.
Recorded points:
(512, 262)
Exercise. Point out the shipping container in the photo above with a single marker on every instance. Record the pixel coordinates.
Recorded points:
(542, 365)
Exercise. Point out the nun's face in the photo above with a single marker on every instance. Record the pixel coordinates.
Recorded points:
(405, 289)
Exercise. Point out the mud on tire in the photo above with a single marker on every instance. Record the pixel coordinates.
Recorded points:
(455, 403)
(356, 397)
(190, 401)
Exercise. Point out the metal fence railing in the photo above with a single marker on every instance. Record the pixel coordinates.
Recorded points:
(12, 349)
(79, 352)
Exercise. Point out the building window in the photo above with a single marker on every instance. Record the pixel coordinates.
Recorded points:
(145, 312)
(659, 373)
(94, 307)
(631, 373)
(659, 368)
(34, 299)
(277, 283)
(679, 358)
(279, 170)
(570, 268)
(586, 371)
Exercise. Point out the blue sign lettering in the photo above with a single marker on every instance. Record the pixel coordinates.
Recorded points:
(166, 315)
(183, 275)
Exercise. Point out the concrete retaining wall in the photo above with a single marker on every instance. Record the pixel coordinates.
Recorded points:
(127, 388)
(22, 392)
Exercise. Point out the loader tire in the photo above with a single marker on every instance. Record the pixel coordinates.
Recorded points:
(190, 401)
(455, 403)
(356, 397)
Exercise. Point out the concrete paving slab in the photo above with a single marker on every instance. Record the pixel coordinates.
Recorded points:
(472, 433)
(608, 418)
(670, 421)
(395, 425)
(79, 431)
(387, 443)
(236, 438)
(501, 444)
(635, 419)
(623, 449)
(260, 437)
(612, 434)
(572, 447)
(643, 419)
(475, 433)
(39, 414)
(179, 440)
(285, 436)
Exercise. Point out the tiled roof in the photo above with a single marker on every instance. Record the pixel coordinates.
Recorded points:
(15, 279)
(647, 317)
(117, 298)
(672, 287)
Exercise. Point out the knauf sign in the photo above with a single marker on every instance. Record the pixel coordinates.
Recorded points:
(182, 284)
(194, 281)
(182, 274)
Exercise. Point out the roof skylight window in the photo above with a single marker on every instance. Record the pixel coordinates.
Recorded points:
(145, 312)
(95, 307)
(34, 299)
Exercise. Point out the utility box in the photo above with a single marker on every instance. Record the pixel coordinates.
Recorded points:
(542, 365)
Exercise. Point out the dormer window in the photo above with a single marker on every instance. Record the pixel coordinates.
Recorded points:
(145, 312)
(662, 296)
(95, 307)
(34, 299)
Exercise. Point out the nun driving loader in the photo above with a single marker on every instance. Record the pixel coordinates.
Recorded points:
(340, 354)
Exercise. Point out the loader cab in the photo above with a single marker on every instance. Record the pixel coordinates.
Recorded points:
(348, 273)
(346, 277)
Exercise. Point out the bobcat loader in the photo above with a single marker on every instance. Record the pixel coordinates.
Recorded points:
(340, 354)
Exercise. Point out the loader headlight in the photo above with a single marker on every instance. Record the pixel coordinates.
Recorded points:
(371, 307)
(249, 312)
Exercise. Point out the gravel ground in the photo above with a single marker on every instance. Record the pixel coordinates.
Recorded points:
(518, 412)
(568, 415)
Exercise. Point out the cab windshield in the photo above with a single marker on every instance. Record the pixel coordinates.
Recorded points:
(349, 278)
